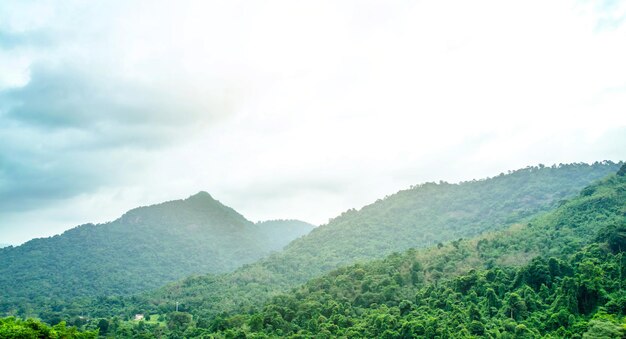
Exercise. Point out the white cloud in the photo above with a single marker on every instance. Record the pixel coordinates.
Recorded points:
(304, 109)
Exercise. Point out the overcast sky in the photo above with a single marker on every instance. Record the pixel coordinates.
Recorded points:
(292, 109)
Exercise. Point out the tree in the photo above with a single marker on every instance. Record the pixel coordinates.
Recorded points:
(603, 329)
(178, 321)
(103, 325)
(616, 238)
(516, 306)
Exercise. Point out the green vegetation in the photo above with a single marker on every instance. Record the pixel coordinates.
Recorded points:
(572, 286)
(26, 329)
(144, 249)
(554, 298)
(415, 218)
(561, 275)
(515, 256)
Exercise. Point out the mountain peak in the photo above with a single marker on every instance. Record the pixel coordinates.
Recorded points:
(201, 195)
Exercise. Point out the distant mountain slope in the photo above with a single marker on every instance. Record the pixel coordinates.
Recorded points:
(145, 248)
(559, 276)
(421, 216)
(280, 232)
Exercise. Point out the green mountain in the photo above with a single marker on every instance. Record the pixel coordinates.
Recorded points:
(558, 275)
(561, 275)
(418, 217)
(145, 248)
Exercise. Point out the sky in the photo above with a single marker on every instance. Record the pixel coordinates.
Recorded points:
(292, 109)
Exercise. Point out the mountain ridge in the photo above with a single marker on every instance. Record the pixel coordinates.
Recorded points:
(570, 286)
(423, 215)
(146, 247)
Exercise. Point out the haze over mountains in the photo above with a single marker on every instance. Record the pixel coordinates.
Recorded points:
(499, 231)
(145, 248)
(418, 217)
(382, 163)
(559, 275)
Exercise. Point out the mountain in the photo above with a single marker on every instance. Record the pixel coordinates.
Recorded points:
(4, 245)
(145, 248)
(560, 275)
(423, 215)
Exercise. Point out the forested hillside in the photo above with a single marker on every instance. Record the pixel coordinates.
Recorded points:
(145, 248)
(428, 213)
(418, 217)
(559, 275)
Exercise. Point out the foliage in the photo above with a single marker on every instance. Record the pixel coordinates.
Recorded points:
(419, 217)
(24, 329)
(145, 248)
(572, 287)
(480, 258)
(557, 276)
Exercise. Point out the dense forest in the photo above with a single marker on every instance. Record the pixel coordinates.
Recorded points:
(421, 216)
(144, 249)
(13, 328)
(558, 275)
(514, 256)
